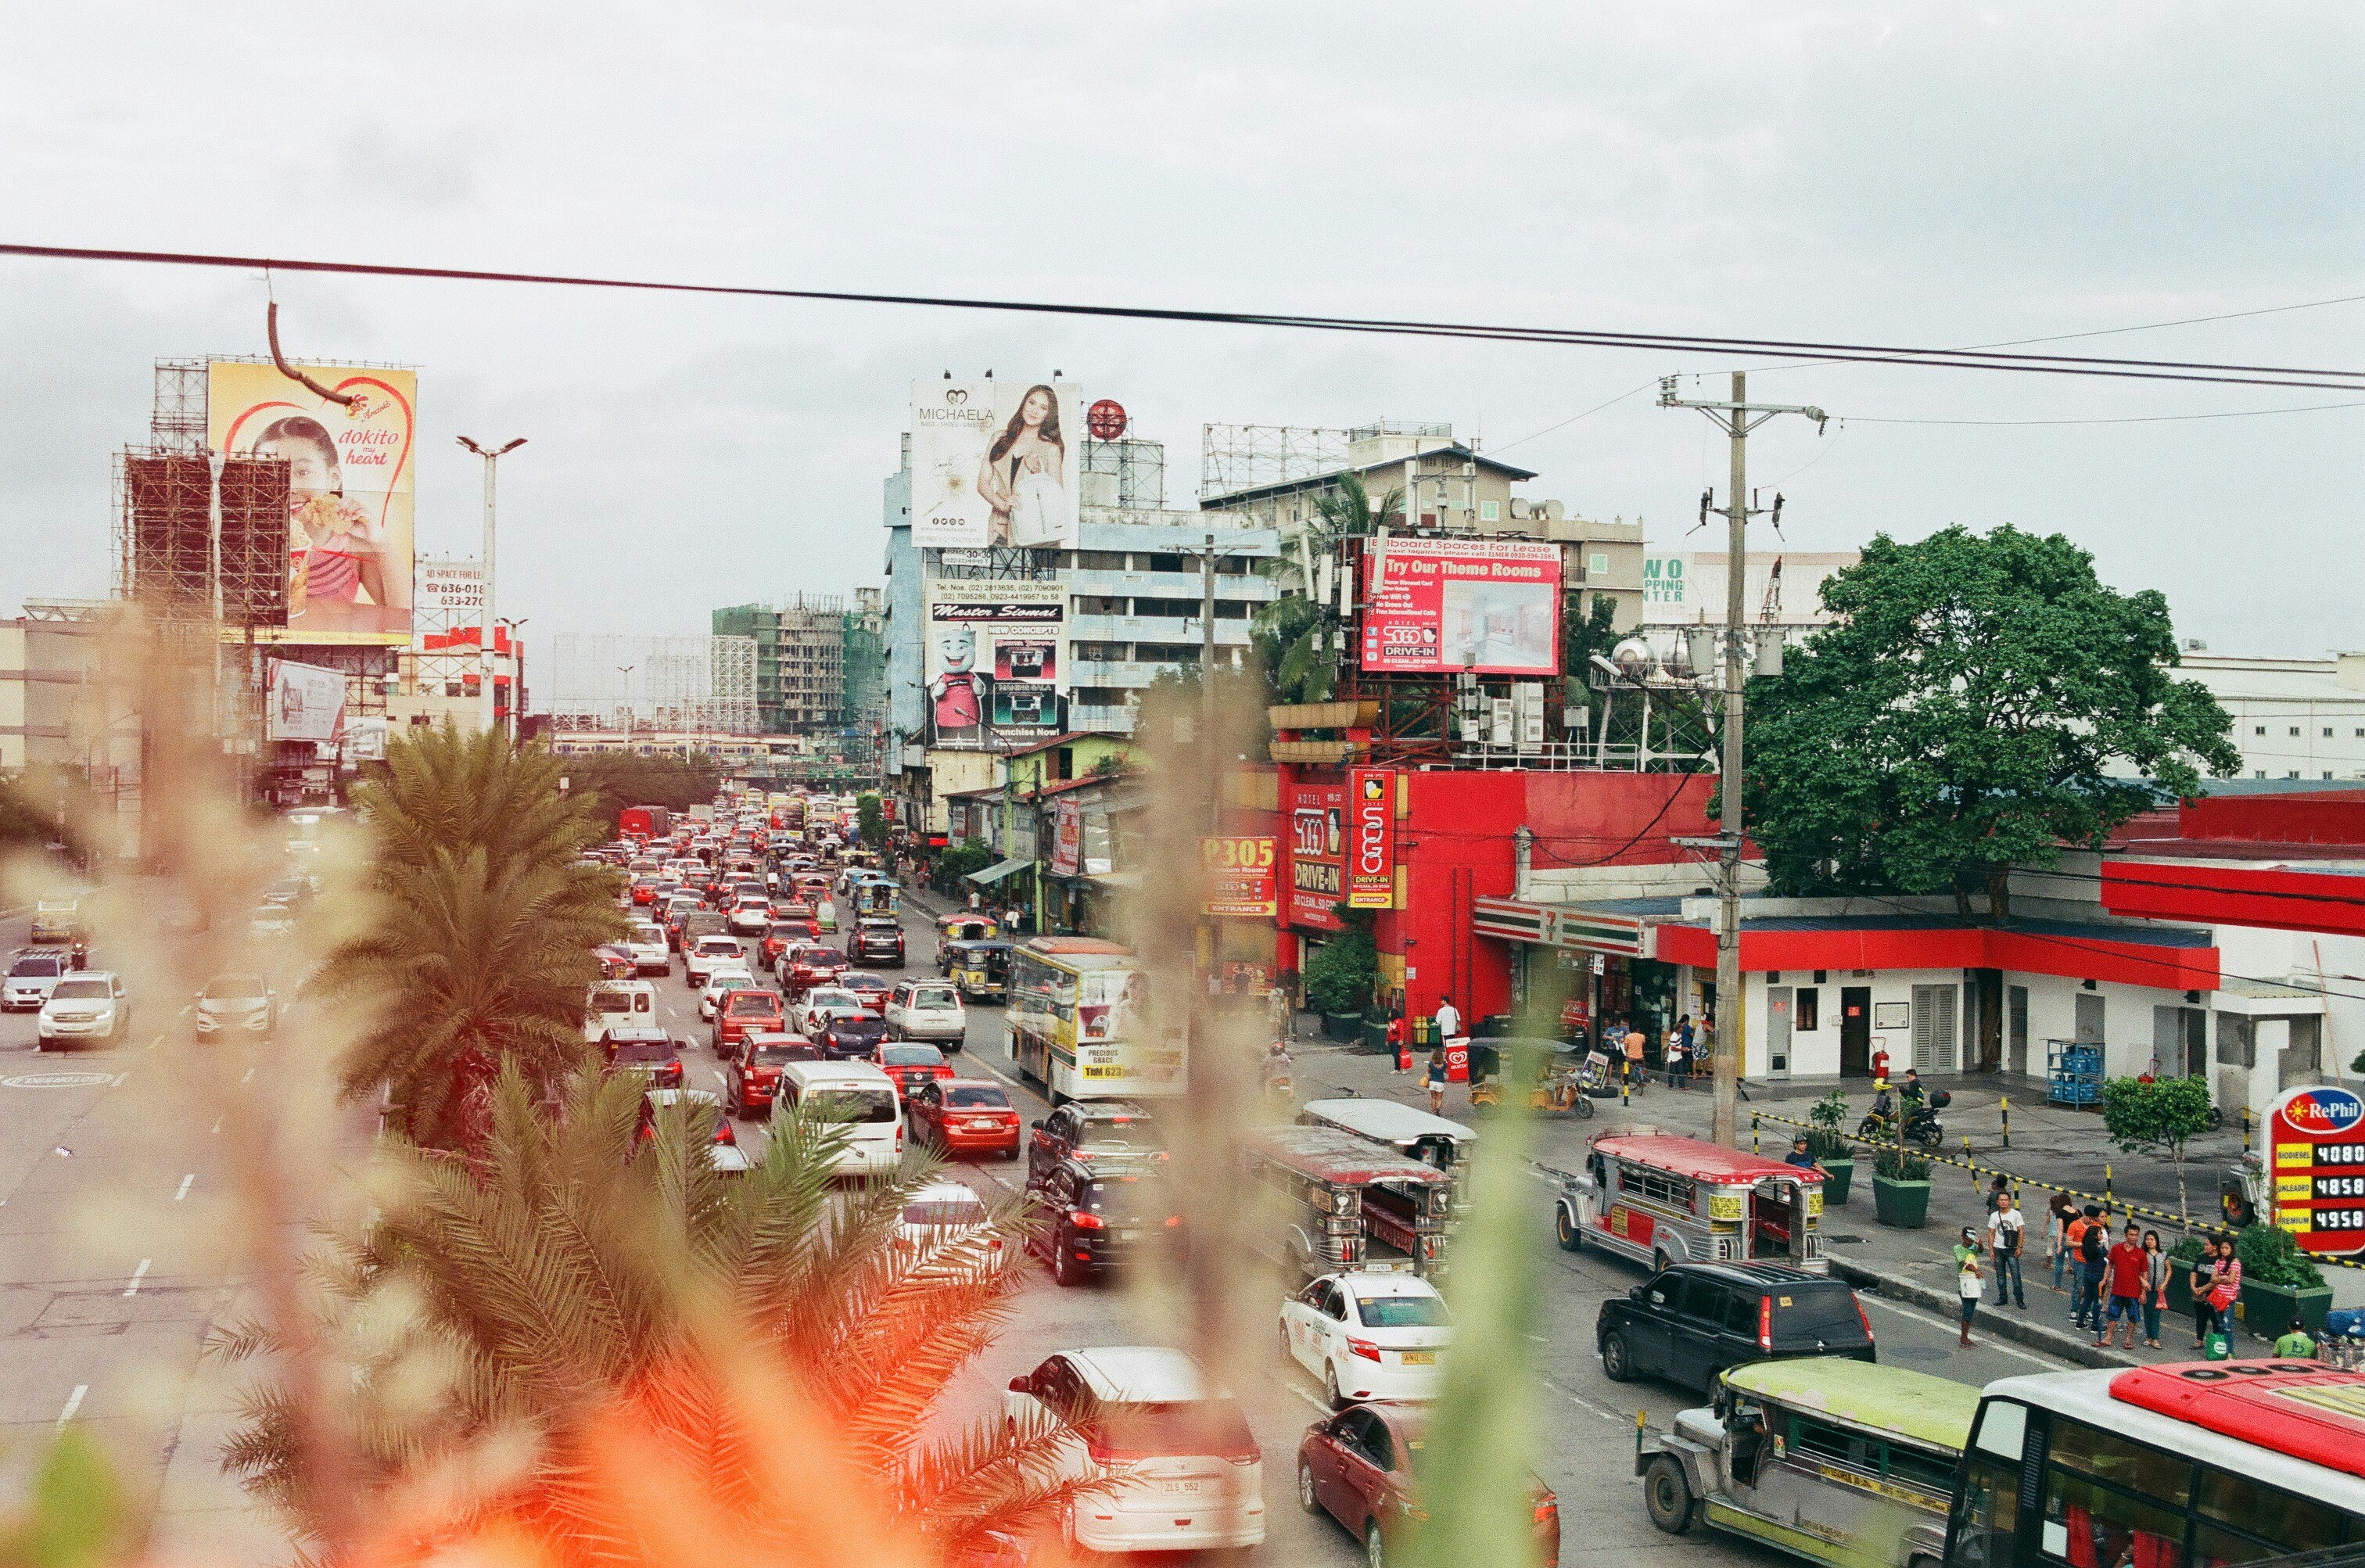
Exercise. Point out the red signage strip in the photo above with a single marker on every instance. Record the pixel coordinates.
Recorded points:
(1370, 838)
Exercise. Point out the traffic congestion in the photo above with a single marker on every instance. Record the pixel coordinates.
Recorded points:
(1706, 1374)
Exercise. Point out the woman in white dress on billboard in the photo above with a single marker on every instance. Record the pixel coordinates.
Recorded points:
(1021, 477)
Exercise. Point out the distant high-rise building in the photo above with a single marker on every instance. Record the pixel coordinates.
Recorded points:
(800, 646)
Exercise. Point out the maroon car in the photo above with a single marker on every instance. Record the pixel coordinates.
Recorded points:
(910, 1064)
(803, 968)
(646, 1050)
(1357, 1465)
(872, 989)
(751, 1079)
(963, 1115)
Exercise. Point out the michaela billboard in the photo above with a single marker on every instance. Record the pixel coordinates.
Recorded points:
(350, 490)
(1434, 606)
(995, 662)
(995, 462)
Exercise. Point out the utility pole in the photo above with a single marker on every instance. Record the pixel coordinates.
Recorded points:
(491, 457)
(1736, 419)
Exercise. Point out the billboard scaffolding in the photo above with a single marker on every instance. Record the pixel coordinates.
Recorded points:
(1247, 457)
(614, 681)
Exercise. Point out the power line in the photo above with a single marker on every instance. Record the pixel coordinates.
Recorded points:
(2194, 372)
(2123, 419)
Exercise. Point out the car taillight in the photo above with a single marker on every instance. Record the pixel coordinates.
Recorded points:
(1766, 1322)
(1173, 1221)
(1547, 1508)
(1364, 1349)
(1090, 1222)
(1860, 1317)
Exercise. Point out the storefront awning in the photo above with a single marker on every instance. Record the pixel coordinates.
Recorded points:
(997, 872)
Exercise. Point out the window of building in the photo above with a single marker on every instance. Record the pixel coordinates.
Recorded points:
(2293, 774)
(2294, 729)
(1490, 512)
(2327, 731)
(2261, 729)
(2261, 773)
(1807, 1015)
(1597, 564)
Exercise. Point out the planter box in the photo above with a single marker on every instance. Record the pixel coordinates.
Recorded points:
(1904, 1205)
(1835, 1188)
(2267, 1310)
(1342, 1026)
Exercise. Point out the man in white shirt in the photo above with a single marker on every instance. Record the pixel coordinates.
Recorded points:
(2004, 1228)
(1449, 1021)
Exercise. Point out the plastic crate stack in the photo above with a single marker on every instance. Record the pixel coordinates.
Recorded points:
(2074, 1073)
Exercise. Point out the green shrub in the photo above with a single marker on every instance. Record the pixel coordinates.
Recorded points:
(1824, 1140)
(2269, 1256)
(1340, 976)
(1896, 1165)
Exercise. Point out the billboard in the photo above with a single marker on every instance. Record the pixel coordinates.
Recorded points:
(994, 664)
(1436, 606)
(451, 591)
(995, 464)
(1238, 876)
(2318, 1138)
(308, 704)
(1370, 838)
(1317, 831)
(350, 493)
(1067, 840)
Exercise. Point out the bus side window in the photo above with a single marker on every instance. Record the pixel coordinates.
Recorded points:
(2277, 1522)
(2102, 1500)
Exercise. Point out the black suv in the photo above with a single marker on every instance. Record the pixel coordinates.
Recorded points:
(1098, 1219)
(875, 940)
(1091, 1130)
(1691, 1321)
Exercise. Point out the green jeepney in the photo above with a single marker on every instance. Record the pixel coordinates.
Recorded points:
(1835, 1461)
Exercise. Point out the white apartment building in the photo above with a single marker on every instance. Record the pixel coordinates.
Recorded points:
(2293, 718)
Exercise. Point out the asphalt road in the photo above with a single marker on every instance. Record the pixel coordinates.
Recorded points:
(113, 1268)
(1588, 1436)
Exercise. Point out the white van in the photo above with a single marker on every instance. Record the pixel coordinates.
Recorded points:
(618, 1005)
(853, 1091)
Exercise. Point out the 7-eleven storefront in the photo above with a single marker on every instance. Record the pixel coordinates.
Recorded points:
(1591, 966)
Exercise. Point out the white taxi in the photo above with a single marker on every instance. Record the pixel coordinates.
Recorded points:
(1368, 1336)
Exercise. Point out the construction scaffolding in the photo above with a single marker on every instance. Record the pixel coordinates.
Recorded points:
(619, 682)
(253, 561)
(163, 532)
(177, 420)
(1123, 474)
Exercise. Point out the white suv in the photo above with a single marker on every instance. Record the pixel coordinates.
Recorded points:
(31, 978)
(927, 1009)
(652, 953)
(1184, 1473)
(707, 952)
(88, 1006)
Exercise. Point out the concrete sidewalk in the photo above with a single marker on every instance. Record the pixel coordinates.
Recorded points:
(1907, 1265)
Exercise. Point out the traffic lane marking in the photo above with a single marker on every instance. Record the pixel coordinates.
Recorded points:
(138, 1274)
(74, 1403)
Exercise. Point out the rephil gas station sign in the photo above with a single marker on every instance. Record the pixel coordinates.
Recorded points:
(2318, 1138)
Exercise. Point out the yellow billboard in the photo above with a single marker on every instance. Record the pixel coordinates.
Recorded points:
(351, 498)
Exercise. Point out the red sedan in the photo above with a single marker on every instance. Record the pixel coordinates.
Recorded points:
(963, 1115)
(872, 989)
(753, 1078)
(744, 1012)
(777, 940)
(911, 1064)
(809, 966)
(1357, 1466)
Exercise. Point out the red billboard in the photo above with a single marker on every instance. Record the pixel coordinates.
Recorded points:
(1370, 838)
(1317, 833)
(1435, 605)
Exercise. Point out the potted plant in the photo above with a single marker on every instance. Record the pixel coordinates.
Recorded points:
(1901, 1189)
(2278, 1283)
(1830, 1145)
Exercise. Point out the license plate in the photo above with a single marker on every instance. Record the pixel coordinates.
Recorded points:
(1128, 1236)
(1175, 1488)
(1420, 1357)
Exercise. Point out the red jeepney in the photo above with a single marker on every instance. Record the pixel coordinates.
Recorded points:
(1660, 1200)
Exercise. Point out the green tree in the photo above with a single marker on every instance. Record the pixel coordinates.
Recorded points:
(1298, 641)
(1978, 701)
(2161, 1113)
(591, 1272)
(1340, 975)
(870, 819)
(477, 947)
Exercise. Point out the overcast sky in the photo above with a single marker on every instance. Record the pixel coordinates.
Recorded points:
(1898, 173)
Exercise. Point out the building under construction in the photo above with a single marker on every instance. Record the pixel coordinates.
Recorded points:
(800, 659)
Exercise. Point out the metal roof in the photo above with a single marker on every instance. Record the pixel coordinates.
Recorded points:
(1916, 1406)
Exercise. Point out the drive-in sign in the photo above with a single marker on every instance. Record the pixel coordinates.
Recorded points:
(1370, 838)
(2318, 1138)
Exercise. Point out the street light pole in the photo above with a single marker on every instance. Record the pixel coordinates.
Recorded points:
(492, 457)
(517, 673)
(1736, 419)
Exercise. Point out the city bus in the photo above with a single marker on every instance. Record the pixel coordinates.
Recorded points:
(2192, 1465)
(1077, 1022)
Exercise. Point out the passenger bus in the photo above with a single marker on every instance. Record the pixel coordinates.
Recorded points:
(2189, 1464)
(1077, 1022)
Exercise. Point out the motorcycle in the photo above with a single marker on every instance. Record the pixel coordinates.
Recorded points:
(1921, 1124)
(1279, 1079)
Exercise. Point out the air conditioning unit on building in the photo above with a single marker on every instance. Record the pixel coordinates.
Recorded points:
(1528, 715)
(1499, 722)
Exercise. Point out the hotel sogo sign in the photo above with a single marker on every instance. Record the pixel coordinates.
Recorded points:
(1370, 838)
